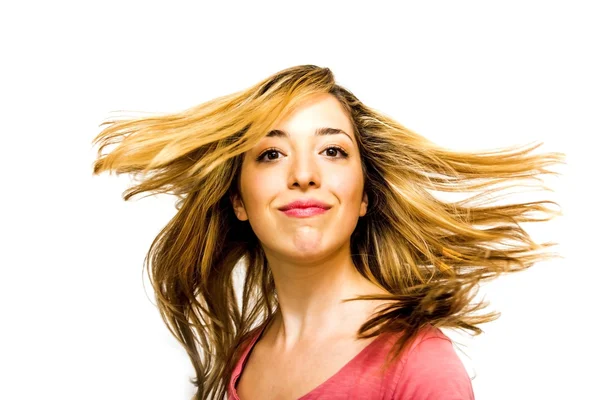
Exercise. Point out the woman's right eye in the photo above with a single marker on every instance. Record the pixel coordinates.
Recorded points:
(268, 154)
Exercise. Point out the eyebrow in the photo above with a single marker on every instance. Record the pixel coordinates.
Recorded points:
(318, 132)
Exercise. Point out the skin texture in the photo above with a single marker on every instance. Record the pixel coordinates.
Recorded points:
(309, 257)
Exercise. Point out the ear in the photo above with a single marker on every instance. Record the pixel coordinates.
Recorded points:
(364, 204)
(238, 207)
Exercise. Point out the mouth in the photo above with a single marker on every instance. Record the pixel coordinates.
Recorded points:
(304, 212)
(304, 208)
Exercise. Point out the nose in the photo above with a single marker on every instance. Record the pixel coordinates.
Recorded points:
(304, 171)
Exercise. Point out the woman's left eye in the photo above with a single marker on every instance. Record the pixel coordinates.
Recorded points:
(335, 150)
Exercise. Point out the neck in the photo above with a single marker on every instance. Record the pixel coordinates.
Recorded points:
(310, 300)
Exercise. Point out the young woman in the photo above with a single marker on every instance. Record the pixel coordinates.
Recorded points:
(352, 263)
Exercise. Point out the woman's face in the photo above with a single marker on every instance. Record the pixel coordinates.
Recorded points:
(293, 163)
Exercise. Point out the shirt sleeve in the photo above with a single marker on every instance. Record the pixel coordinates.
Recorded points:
(433, 371)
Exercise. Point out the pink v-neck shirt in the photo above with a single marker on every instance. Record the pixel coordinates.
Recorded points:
(429, 369)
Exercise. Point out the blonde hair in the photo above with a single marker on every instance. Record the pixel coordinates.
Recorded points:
(429, 254)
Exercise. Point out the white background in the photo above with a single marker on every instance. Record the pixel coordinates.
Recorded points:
(77, 322)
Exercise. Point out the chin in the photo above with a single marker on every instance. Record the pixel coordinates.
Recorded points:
(305, 253)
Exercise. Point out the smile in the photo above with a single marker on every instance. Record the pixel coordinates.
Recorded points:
(304, 212)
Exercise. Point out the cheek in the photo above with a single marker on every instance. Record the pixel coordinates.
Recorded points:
(259, 189)
(347, 185)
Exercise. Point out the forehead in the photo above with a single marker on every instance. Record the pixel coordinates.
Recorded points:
(317, 112)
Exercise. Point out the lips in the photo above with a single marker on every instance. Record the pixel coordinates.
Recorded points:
(304, 212)
(304, 204)
(305, 208)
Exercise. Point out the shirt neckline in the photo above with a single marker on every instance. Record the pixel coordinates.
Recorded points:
(352, 361)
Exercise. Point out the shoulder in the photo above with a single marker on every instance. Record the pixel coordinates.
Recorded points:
(432, 370)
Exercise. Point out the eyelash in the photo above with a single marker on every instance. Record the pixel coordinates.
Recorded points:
(261, 157)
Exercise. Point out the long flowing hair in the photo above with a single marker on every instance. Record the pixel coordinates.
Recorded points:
(429, 254)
